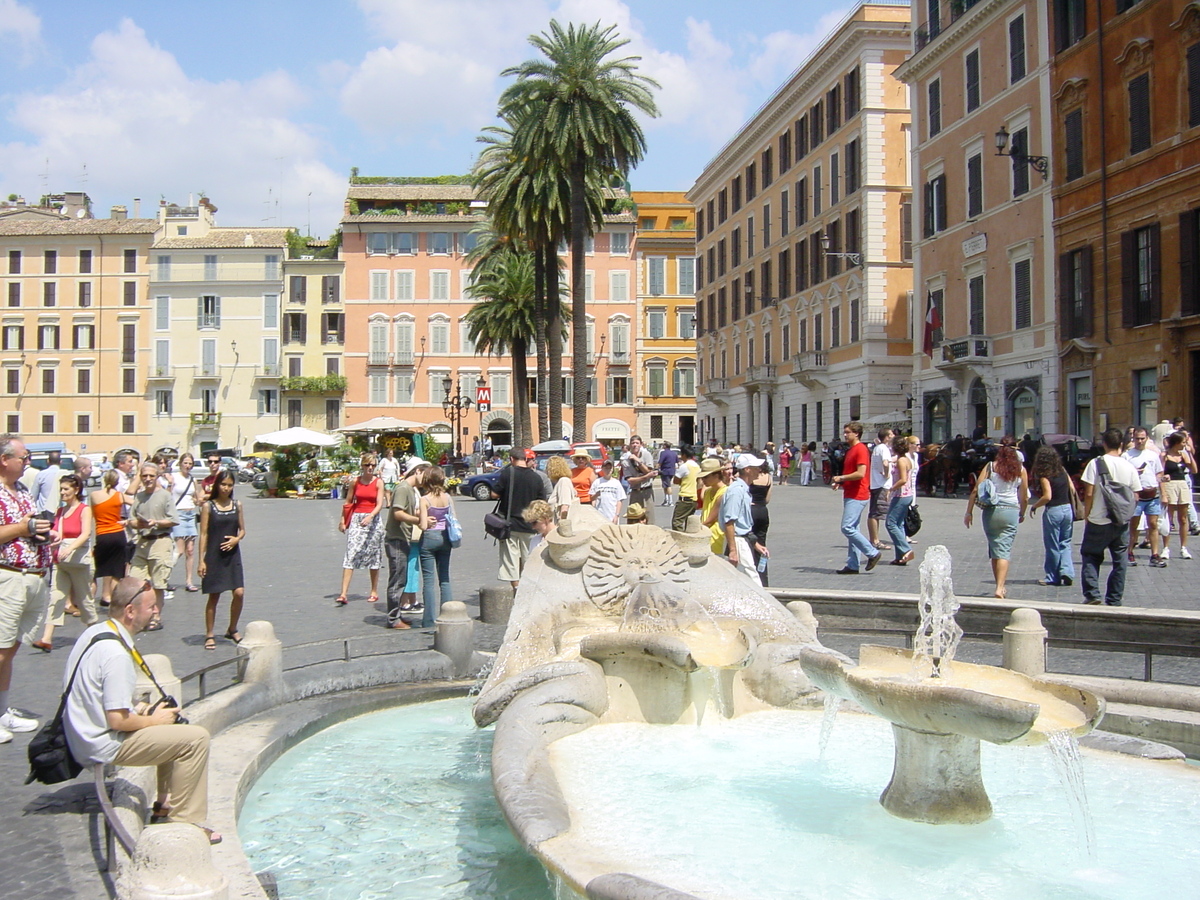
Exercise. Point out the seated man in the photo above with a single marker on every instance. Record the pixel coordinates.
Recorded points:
(104, 725)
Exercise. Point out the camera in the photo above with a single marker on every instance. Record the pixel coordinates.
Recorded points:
(46, 515)
(167, 700)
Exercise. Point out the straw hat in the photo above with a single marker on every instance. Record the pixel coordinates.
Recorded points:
(635, 513)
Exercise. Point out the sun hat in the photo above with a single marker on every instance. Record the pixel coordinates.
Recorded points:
(710, 465)
(635, 511)
(414, 463)
(581, 454)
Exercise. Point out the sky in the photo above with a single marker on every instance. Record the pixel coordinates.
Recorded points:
(266, 106)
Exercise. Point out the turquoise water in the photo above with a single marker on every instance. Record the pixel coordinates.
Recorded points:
(395, 804)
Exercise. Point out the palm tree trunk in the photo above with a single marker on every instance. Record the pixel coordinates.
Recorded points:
(522, 430)
(543, 381)
(549, 251)
(578, 303)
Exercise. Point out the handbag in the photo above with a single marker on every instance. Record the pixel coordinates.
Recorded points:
(50, 759)
(348, 506)
(496, 525)
(453, 528)
(985, 490)
(912, 520)
(1077, 508)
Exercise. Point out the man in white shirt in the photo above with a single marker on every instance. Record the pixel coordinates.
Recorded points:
(882, 460)
(45, 483)
(1148, 465)
(607, 493)
(1100, 533)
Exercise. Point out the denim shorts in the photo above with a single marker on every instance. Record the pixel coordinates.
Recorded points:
(1151, 507)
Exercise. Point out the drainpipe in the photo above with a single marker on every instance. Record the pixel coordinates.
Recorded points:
(1103, 165)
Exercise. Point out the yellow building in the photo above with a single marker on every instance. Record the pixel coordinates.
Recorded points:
(313, 381)
(666, 333)
(216, 330)
(74, 329)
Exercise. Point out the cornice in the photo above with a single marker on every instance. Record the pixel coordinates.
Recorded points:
(1071, 93)
(1189, 21)
(1137, 55)
(956, 33)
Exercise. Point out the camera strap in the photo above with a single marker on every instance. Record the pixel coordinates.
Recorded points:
(137, 658)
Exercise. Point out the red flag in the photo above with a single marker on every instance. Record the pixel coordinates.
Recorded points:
(933, 321)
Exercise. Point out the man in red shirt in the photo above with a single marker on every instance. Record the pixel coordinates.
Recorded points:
(856, 495)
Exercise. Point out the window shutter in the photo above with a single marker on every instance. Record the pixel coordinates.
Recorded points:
(199, 311)
(1073, 135)
(940, 198)
(1016, 49)
(1085, 276)
(1193, 85)
(1139, 113)
(287, 328)
(1189, 266)
(303, 328)
(935, 107)
(341, 327)
(1128, 279)
(1023, 304)
(972, 65)
(261, 406)
(927, 209)
(1066, 310)
(217, 311)
(1155, 274)
(974, 186)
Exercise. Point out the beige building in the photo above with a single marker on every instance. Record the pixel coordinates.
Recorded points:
(74, 323)
(984, 253)
(666, 342)
(803, 253)
(215, 331)
(313, 380)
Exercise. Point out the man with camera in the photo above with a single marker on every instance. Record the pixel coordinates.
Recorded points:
(104, 724)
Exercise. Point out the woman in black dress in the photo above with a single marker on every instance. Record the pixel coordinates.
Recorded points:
(760, 496)
(222, 527)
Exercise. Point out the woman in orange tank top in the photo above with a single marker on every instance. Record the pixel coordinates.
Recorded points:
(109, 550)
(364, 529)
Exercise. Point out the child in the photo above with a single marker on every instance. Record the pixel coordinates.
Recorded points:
(606, 493)
(539, 516)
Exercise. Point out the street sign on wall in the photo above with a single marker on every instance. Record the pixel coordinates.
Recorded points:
(483, 398)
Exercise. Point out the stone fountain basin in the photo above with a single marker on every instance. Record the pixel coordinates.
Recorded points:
(980, 702)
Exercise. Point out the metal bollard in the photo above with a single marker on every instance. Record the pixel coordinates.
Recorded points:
(495, 603)
(1025, 643)
(455, 635)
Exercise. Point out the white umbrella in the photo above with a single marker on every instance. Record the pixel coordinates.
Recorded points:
(383, 423)
(291, 436)
(894, 417)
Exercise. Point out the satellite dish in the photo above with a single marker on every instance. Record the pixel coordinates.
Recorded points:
(80, 213)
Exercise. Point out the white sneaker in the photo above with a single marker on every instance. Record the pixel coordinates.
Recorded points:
(11, 721)
(1166, 553)
(1184, 553)
(5, 735)
(168, 595)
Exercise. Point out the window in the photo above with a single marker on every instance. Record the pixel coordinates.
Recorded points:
(1075, 278)
(50, 262)
(85, 294)
(1189, 262)
(751, 182)
(1070, 22)
(83, 423)
(378, 388)
(802, 264)
(210, 267)
(736, 242)
(268, 402)
(298, 289)
(686, 266)
(619, 243)
(439, 285)
(130, 261)
(1016, 49)
(83, 381)
(657, 323)
(737, 192)
(1193, 85)
(1022, 299)
(377, 243)
(833, 109)
(972, 79)
(439, 243)
(271, 267)
(270, 356)
(658, 273)
(14, 265)
(48, 337)
(687, 324)
(377, 332)
(129, 381)
(816, 125)
(404, 389)
(766, 220)
(816, 191)
(835, 180)
(208, 400)
(404, 285)
(975, 323)
(1139, 113)
(853, 231)
(855, 328)
(128, 342)
(935, 107)
(295, 328)
(683, 381)
(721, 257)
(974, 185)
(802, 202)
(13, 423)
(618, 389)
(208, 312)
(785, 273)
(48, 379)
(853, 92)
(656, 377)
(1141, 285)
(935, 206)
(85, 262)
(12, 381)
(439, 336)
(853, 165)
(208, 359)
(163, 402)
(330, 289)
(14, 293)
(49, 293)
(1020, 167)
(162, 357)
(295, 366)
(500, 389)
(333, 365)
(83, 337)
(270, 311)
(619, 335)
(379, 286)
(722, 205)
(835, 327)
(1073, 138)
(47, 424)
(129, 293)
(162, 265)
(815, 258)
(785, 151)
(403, 243)
(906, 232)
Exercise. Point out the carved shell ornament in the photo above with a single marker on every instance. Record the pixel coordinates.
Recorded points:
(625, 558)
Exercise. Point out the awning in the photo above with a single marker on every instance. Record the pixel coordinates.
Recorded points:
(291, 436)
(380, 424)
(611, 429)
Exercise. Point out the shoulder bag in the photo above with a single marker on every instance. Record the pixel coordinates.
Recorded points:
(496, 525)
(348, 506)
(912, 520)
(50, 759)
(453, 528)
(1077, 508)
(985, 490)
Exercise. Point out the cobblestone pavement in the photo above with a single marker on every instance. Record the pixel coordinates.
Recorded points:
(51, 838)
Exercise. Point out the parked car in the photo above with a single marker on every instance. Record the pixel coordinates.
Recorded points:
(38, 453)
(598, 452)
(480, 486)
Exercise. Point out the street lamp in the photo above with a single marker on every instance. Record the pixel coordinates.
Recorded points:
(456, 409)
(1040, 163)
(854, 258)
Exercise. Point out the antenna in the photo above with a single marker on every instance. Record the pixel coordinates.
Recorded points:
(46, 177)
(308, 226)
(83, 178)
(279, 196)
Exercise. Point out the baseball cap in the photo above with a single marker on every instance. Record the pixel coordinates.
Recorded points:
(414, 463)
(529, 454)
(746, 460)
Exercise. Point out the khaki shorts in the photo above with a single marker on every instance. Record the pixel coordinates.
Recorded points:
(513, 553)
(23, 603)
(153, 560)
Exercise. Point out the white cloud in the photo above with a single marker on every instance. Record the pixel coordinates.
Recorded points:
(20, 25)
(143, 128)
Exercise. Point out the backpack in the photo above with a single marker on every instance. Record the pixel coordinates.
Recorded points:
(1120, 500)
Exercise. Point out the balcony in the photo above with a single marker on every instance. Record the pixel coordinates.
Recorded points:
(161, 373)
(378, 358)
(267, 370)
(759, 375)
(715, 387)
(205, 420)
(811, 368)
(972, 351)
(619, 358)
(208, 370)
(404, 357)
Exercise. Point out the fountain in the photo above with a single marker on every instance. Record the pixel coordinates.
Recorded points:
(941, 709)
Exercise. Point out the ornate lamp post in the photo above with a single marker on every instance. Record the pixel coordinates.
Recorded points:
(456, 409)
(1040, 164)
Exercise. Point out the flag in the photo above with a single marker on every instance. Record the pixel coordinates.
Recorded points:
(933, 321)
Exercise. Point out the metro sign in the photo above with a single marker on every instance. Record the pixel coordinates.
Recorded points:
(483, 398)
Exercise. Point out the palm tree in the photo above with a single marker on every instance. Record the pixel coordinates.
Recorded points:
(571, 114)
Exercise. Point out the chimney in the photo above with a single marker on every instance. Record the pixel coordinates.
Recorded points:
(118, 212)
(137, 207)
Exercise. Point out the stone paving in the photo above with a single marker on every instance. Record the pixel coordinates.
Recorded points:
(51, 838)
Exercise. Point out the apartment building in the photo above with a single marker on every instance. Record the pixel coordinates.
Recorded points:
(666, 344)
(74, 323)
(216, 327)
(979, 78)
(1126, 178)
(404, 244)
(803, 247)
(312, 383)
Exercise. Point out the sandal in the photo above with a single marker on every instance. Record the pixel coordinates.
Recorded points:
(210, 642)
(340, 601)
(191, 589)
(372, 598)
(399, 625)
(234, 636)
(156, 625)
(159, 812)
(213, 836)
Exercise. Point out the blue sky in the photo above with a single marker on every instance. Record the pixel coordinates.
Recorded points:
(266, 105)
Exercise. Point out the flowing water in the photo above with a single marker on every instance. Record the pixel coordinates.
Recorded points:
(396, 804)
(1064, 749)
(832, 704)
(937, 636)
